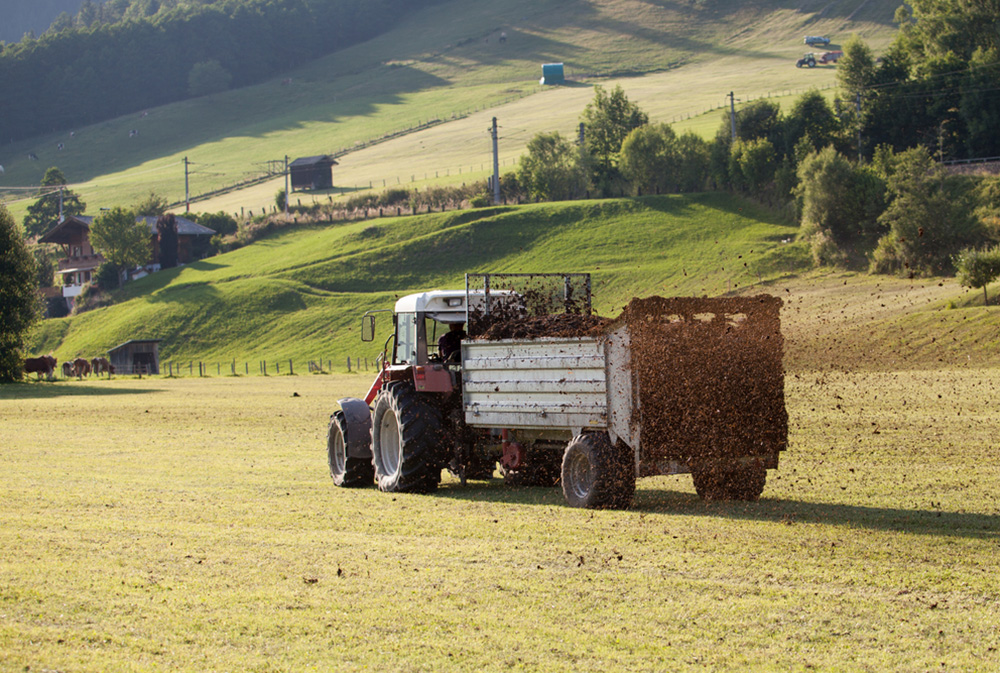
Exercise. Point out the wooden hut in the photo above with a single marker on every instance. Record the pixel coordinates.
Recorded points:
(312, 172)
(137, 356)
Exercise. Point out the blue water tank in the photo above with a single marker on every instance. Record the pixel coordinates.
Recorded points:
(552, 73)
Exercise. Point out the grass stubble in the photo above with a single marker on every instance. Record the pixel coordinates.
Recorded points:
(190, 524)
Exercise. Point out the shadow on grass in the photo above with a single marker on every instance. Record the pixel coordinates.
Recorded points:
(783, 511)
(46, 391)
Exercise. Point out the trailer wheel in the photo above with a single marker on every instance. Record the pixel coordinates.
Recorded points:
(346, 471)
(406, 435)
(732, 482)
(597, 475)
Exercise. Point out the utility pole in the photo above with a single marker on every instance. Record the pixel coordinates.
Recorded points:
(61, 188)
(187, 188)
(732, 114)
(496, 164)
(287, 196)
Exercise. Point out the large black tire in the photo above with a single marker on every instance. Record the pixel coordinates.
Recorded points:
(406, 441)
(597, 475)
(730, 482)
(346, 471)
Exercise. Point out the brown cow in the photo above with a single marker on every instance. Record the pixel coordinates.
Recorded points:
(45, 364)
(67, 369)
(81, 367)
(101, 365)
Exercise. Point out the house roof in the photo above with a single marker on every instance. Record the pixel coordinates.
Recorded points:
(134, 341)
(322, 159)
(63, 231)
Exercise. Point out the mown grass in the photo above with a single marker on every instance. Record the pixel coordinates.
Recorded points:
(443, 63)
(190, 524)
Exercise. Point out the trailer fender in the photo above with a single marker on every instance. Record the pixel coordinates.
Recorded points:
(359, 427)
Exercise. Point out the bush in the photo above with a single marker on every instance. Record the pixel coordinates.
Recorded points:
(221, 222)
(929, 218)
(552, 170)
(978, 268)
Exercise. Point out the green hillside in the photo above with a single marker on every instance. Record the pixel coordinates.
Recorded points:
(447, 66)
(300, 293)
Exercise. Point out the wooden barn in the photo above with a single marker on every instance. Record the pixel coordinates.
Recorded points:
(138, 356)
(312, 172)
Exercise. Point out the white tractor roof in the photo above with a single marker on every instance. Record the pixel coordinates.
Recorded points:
(445, 305)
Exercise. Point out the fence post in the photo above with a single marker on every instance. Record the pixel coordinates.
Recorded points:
(265, 367)
(291, 369)
(348, 364)
(277, 367)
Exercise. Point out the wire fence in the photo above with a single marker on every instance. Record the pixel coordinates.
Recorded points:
(278, 367)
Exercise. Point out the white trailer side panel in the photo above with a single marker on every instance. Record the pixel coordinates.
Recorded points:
(535, 383)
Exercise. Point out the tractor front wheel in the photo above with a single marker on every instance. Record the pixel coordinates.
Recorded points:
(346, 471)
(406, 436)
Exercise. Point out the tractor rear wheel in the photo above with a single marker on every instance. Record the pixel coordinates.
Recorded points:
(730, 482)
(346, 471)
(406, 437)
(597, 475)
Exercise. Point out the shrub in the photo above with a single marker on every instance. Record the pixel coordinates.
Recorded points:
(978, 268)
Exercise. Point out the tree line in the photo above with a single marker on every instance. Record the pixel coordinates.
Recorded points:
(122, 56)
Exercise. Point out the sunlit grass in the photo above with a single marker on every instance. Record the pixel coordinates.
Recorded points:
(190, 524)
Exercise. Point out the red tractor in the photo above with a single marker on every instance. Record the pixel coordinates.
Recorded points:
(679, 385)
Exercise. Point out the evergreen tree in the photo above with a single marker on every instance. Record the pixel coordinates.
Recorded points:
(43, 214)
(166, 232)
(18, 299)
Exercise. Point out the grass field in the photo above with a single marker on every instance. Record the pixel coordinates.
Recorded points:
(675, 59)
(190, 525)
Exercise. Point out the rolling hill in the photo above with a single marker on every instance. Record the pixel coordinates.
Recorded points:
(446, 66)
(299, 293)
(426, 92)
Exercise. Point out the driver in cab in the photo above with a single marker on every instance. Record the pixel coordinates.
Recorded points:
(450, 342)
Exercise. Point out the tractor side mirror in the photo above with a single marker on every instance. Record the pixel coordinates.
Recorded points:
(368, 328)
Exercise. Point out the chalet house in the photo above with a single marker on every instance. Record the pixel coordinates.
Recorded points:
(312, 172)
(80, 263)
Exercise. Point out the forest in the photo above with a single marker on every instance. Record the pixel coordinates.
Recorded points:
(122, 56)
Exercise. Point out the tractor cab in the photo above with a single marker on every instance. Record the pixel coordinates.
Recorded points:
(420, 320)
(413, 350)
